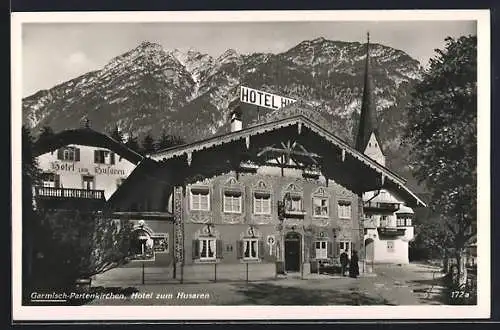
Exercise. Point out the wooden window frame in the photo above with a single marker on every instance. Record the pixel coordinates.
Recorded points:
(250, 240)
(327, 215)
(208, 240)
(268, 198)
(340, 212)
(231, 194)
(198, 191)
(93, 181)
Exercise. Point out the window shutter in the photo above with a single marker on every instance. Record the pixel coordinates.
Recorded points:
(218, 249)
(196, 249)
(239, 249)
(261, 249)
(60, 152)
(312, 252)
(112, 156)
(77, 154)
(57, 180)
(330, 249)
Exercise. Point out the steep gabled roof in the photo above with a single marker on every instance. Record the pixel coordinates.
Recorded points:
(88, 137)
(300, 120)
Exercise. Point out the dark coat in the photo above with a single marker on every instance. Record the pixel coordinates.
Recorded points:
(353, 266)
(344, 260)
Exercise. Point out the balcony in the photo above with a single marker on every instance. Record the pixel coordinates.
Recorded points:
(69, 193)
(391, 231)
(391, 207)
(295, 213)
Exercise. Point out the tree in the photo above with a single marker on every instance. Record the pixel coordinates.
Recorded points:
(45, 133)
(442, 135)
(148, 144)
(166, 141)
(30, 176)
(132, 143)
(117, 134)
(78, 244)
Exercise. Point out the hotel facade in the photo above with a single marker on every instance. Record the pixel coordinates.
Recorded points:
(279, 197)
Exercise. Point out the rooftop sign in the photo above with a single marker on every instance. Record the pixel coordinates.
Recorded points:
(263, 99)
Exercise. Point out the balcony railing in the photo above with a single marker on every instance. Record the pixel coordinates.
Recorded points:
(294, 213)
(382, 206)
(51, 192)
(391, 231)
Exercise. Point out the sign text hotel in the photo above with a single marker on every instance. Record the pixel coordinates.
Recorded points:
(263, 99)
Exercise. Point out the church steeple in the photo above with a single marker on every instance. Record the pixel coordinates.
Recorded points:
(367, 138)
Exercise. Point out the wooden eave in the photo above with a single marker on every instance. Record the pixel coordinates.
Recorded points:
(387, 178)
(87, 137)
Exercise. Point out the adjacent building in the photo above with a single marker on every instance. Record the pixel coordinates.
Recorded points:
(81, 167)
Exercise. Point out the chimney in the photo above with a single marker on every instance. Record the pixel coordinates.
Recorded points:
(236, 123)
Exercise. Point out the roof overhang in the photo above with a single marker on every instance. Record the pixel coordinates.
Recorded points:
(86, 137)
(388, 178)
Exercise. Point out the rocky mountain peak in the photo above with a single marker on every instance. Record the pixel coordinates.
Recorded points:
(149, 89)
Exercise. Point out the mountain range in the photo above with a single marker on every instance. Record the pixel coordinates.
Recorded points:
(150, 89)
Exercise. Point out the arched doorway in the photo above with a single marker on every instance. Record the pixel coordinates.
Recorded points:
(369, 250)
(292, 251)
(138, 242)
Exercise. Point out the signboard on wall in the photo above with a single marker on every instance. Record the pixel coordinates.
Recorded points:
(60, 167)
(263, 99)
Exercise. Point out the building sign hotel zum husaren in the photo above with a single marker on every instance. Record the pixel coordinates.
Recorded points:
(99, 170)
(263, 99)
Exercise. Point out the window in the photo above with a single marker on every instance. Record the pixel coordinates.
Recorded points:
(104, 157)
(208, 249)
(200, 199)
(383, 221)
(50, 180)
(232, 202)
(262, 203)
(400, 222)
(344, 210)
(345, 246)
(320, 206)
(68, 154)
(390, 246)
(293, 204)
(88, 182)
(408, 222)
(321, 250)
(250, 249)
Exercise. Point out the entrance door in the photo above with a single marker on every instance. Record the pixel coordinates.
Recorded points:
(369, 248)
(292, 252)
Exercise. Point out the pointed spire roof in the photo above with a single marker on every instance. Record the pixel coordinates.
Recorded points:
(368, 116)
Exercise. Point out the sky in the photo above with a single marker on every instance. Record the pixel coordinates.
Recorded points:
(53, 53)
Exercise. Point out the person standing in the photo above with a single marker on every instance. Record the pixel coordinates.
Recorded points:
(344, 260)
(353, 266)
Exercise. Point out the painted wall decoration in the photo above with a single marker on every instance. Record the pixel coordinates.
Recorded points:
(271, 241)
(160, 243)
(179, 224)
